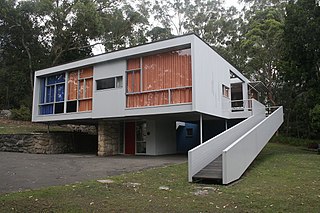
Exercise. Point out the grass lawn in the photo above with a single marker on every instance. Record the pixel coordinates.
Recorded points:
(282, 179)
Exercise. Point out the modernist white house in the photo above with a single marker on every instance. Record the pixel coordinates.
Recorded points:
(165, 97)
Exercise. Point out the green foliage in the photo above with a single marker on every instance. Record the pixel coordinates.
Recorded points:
(315, 118)
(294, 141)
(300, 70)
(23, 113)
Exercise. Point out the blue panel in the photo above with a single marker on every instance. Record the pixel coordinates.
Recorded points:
(50, 94)
(51, 80)
(60, 92)
(184, 142)
(46, 109)
(60, 78)
(42, 90)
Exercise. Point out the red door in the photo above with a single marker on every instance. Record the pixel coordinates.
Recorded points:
(130, 138)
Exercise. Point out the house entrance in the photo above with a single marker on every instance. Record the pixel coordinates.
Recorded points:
(135, 137)
(129, 139)
(141, 133)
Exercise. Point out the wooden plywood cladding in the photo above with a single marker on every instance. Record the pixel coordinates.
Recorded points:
(72, 85)
(167, 70)
(161, 79)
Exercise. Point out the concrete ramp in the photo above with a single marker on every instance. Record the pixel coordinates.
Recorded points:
(229, 154)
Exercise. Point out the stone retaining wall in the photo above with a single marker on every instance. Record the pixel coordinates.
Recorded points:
(49, 143)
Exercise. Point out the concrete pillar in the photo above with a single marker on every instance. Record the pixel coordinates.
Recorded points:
(108, 138)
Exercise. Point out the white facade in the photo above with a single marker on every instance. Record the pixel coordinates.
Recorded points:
(209, 72)
(210, 93)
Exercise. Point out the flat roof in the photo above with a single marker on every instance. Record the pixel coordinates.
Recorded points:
(179, 41)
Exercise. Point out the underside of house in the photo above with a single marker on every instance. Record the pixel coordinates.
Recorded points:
(167, 97)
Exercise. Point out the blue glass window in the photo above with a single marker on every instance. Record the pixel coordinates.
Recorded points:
(52, 90)
(42, 90)
(46, 109)
(50, 94)
(60, 92)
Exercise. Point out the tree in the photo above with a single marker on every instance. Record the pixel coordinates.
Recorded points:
(20, 53)
(261, 44)
(37, 34)
(300, 64)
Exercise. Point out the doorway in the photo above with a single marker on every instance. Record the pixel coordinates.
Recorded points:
(129, 138)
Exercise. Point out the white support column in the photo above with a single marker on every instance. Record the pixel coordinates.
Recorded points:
(201, 139)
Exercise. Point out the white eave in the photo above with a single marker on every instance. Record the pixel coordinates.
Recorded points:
(150, 47)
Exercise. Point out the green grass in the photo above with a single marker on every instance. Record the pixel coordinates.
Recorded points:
(282, 179)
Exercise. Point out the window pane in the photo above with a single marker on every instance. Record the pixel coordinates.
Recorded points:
(189, 132)
(107, 83)
(71, 106)
(58, 108)
(119, 82)
(51, 80)
(42, 90)
(46, 109)
(141, 147)
(50, 94)
(59, 78)
(60, 92)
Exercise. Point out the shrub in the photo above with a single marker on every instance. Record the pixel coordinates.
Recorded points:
(295, 141)
(23, 113)
(315, 118)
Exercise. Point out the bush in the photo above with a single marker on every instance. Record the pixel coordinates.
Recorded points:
(295, 141)
(315, 118)
(24, 113)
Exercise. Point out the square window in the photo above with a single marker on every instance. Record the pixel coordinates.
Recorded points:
(71, 106)
(58, 108)
(225, 91)
(189, 132)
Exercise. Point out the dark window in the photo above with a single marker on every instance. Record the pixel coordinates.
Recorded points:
(58, 108)
(71, 106)
(189, 132)
(109, 83)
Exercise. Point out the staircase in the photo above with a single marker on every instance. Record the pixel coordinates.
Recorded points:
(225, 157)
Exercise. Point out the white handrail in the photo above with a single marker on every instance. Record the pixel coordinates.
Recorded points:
(202, 155)
(237, 157)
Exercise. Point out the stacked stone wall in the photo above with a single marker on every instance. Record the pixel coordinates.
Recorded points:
(45, 143)
(108, 138)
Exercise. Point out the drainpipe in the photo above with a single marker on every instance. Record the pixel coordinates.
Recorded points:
(201, 139)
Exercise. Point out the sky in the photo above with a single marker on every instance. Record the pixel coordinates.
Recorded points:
(229, 3)
(98, 49)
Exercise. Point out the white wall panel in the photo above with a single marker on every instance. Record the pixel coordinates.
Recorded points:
(109, 102)
(166, 137)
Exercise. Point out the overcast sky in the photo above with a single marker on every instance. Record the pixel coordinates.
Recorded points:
(98, 49)
(229, 3)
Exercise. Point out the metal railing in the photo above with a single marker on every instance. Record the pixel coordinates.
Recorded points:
(241, 105)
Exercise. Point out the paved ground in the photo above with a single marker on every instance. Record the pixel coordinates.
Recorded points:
(21, 171)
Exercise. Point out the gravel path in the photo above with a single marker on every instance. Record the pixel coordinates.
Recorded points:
(22, 171)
